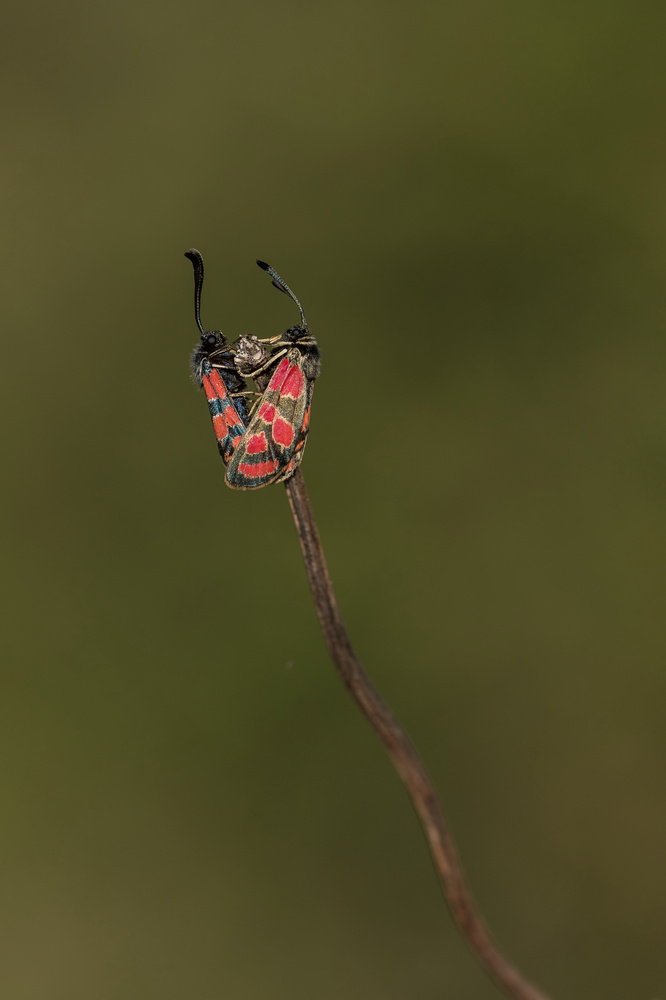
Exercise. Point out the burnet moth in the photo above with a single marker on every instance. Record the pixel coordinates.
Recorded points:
(271, 448)
(214, 370)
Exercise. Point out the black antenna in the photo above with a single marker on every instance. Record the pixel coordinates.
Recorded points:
(197, 264)
(279, 283)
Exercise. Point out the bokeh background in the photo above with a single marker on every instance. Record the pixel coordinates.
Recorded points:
(469, 200)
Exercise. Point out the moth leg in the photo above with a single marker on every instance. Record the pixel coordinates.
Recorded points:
(263, 367)
(270, 340)
(254, 405)
(227, 349)
(224, 368)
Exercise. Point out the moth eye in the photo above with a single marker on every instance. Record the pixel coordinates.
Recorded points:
(209, 339)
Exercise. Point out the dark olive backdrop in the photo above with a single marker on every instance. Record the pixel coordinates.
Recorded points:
(469, 200)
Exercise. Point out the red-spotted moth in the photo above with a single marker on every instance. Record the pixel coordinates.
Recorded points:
(271, 449)
(267, 445)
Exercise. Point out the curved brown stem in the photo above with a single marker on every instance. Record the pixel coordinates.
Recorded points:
(405, 759)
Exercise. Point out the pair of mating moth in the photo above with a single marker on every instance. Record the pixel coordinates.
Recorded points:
(260, 443)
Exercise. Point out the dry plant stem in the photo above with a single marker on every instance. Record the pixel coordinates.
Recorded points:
(405, 758)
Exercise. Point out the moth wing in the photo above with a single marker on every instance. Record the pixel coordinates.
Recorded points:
(297, 455)
(273, 434)
(227, 423)
(287, 423)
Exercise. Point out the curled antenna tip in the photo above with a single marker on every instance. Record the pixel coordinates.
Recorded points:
(197, 263)
(282, 286)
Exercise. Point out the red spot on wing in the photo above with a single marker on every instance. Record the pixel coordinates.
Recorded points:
(283, 432)
(306, 421)
(211, 392)
(217, 383)
(257, 471)
(293, 384)
(279, 374)
(267, 412)
(257, 444)
(215, 389)
(232, 417)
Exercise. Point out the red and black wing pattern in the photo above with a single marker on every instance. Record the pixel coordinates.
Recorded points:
(227, 422)
(297, 456)
(272, 446)
(214, 370)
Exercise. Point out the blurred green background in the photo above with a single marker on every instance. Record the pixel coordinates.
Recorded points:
(468, 198)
